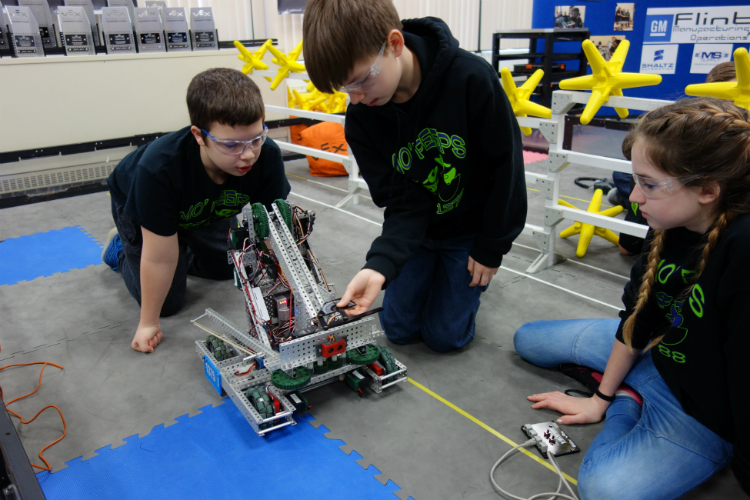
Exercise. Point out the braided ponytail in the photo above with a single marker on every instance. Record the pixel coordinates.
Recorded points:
(653, 263)
(645, 290)
(713, 238)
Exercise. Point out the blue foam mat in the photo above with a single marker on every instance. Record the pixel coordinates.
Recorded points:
(216, 454)
(44, 254)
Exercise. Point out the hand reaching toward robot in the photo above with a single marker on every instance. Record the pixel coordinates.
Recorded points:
(481, 275)
(363, 289)
(146, 338)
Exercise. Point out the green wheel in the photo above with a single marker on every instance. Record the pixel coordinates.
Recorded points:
(386, 359)
(285, 382)
(219, 349)
(332, 365)
(261, 402)
(260, 220)
(285, 211)
(320, 369)
(371, 355)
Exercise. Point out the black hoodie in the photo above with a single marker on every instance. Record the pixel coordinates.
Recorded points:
(446, 163)
(703, 356)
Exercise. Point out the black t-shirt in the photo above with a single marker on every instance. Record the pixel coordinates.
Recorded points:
(164, 186)
(632, 244)
(703, 356)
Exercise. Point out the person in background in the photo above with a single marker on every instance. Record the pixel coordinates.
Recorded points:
(723, 72)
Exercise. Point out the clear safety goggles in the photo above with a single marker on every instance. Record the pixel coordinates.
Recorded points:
(238, 147)
(368, 81)
(655, 190)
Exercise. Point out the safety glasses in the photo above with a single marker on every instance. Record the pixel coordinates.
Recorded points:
(655, 190)
(368, 81)
(238, 147)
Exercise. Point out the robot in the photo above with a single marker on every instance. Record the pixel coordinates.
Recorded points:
(296, 339)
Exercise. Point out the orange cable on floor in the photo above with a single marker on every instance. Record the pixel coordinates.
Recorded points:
(65, 426)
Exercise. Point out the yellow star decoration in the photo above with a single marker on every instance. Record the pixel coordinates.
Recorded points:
(334, 103)
(587, 231)
(252, 60)
(519, 96)
(607, 79)
(287, 63)
(318, 101)
(738, 91)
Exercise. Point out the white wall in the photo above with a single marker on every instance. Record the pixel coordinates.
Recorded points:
(461, 15)
(104, 96)
(233, 18)
(248, 19)
(499, 15)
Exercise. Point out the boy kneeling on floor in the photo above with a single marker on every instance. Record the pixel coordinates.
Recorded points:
(173, 199)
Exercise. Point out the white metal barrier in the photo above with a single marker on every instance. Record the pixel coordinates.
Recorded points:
(559, 158)
(548, 183)
(356, 183)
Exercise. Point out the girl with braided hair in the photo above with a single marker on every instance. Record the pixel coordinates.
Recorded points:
(672, 374)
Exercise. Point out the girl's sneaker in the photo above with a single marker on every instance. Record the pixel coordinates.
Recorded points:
(592, 378)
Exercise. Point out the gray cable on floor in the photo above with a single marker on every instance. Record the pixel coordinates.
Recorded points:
(550, 496)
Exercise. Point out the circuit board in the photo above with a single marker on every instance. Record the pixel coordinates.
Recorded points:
(550, 438)
(296, 339)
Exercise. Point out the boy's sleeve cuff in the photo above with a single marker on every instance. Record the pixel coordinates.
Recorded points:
(485, 257)
(384, 266)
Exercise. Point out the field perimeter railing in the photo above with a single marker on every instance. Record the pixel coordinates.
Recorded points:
(559, 158)
(548, 183)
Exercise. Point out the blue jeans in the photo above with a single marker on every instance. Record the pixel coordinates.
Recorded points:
(622, 183)
(203, 253)
(431, 297)
(656, 451)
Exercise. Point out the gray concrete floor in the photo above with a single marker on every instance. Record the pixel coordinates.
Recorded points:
(85, 320)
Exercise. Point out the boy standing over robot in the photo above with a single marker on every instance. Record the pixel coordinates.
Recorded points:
(437, 142)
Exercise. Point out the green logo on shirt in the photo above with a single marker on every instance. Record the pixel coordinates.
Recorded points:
(207, 212)
(696, 300)
(443, 179)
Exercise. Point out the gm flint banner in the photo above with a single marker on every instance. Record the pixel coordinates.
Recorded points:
(698, 25)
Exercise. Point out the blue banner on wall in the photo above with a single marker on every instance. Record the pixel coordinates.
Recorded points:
(680, 24)
(698, 25)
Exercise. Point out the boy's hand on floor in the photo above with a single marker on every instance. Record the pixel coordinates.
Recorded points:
(480, 275)
(574, 410)
(146, 338)
(363, 289)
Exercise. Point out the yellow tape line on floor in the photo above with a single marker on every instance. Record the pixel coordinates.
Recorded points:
(451, 405)
(489, 429)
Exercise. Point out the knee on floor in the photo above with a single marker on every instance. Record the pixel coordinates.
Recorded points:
(527, 341)
(172, 307)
